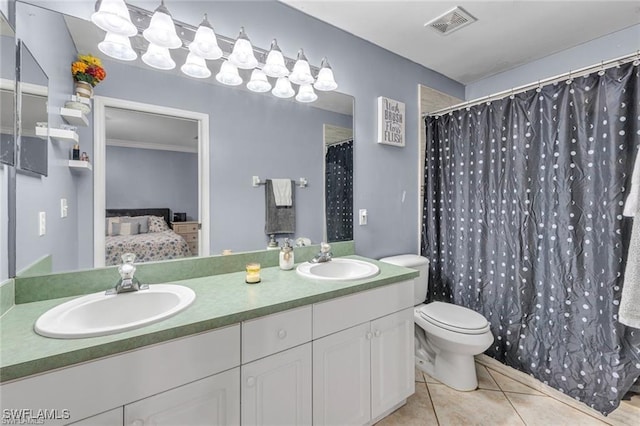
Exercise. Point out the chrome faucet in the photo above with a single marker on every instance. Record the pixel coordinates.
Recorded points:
(127, 281)
(324, 255)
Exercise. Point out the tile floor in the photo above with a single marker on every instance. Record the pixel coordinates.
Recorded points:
(499, 400)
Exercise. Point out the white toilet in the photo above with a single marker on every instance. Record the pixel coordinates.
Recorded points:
(447, 336)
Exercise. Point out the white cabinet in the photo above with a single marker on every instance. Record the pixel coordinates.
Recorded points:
(363, 372)
(214, 400)
(392, 361)
(276, 390)
(342, 378)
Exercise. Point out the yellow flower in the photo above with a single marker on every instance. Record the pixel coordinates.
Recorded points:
(78, 67)
(91, 60)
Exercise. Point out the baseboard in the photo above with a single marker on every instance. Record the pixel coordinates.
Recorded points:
(625, 414)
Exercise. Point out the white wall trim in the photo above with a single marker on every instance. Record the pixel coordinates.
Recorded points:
(100, 103)
(154, 146)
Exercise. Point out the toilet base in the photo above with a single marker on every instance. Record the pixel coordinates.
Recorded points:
(456, 371)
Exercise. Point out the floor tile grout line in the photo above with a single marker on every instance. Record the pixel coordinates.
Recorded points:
(514, 407)
(542, 394)
(433, 405)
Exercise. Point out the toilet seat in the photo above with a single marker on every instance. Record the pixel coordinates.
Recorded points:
(454, 318)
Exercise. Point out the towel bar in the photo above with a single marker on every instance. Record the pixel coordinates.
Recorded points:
(302, 182)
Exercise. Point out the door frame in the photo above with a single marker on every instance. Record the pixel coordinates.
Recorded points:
(100, 103)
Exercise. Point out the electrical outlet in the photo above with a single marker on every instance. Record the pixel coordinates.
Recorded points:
(42, 227)
(63, 207)
(363, 216)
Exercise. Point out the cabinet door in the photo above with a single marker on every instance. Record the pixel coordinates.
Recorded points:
(392, 360)
(341, 377)
(214, 400)
(276, 390)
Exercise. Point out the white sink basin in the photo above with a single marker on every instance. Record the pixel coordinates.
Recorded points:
(98, 314)
(338, 270)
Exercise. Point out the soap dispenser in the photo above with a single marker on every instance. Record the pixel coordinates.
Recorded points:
(286, 256)
(273, 244)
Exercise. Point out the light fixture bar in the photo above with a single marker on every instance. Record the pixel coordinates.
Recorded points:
(142, 17)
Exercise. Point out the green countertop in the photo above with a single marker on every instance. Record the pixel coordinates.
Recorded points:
(221, 300)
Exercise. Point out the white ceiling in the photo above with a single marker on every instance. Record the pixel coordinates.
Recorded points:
(506, 34)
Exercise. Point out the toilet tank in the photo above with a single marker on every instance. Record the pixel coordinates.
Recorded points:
(419, 263)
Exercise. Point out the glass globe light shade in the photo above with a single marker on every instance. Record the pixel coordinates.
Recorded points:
(325, 80)
(205, 43)
(242, 55)
(162, 31)
(283, 88)
(301, 73)
(229, 74)
(195, 67)
(275, 66)
(306, 94)
(113, 17)
(117, 46)
(158, 57)
(259, 82)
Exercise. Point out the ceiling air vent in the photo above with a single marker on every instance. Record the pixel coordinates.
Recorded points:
(451, 21)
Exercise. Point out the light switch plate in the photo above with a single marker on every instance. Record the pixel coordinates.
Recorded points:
(63, 207)
(362, 214)
(42, 225)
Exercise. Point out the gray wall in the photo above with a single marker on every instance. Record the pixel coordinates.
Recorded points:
(149, 178)
(604, 48)
(4, 273)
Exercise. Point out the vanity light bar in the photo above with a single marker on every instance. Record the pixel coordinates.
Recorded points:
(186, 32)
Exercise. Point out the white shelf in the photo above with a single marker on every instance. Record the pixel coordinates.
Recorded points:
(63, 135)
(81, 99)
(74, 117)
(42, 132)
(80, 165)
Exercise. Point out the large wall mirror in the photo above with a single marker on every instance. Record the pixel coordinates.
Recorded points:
(144, 164)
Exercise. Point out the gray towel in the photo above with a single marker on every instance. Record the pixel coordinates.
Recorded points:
(278, 219)
(629, 312)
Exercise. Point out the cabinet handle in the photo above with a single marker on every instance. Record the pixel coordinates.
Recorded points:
(368, 335)
(251, 381)
(137, 422)
(282, 334)
(378, 333)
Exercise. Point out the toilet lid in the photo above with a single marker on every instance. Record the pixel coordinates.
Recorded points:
(455, 318)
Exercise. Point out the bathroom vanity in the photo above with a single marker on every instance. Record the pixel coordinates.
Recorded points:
(289, 350)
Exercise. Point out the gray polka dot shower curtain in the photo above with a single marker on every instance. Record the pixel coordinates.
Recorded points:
(339, 191)
(523, 223)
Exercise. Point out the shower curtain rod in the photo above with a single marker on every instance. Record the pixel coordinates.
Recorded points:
(568, 75)
(339, 142)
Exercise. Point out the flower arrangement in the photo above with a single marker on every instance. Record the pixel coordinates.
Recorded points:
(89, 69)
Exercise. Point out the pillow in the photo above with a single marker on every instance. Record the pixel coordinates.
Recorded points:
(157, 224)
(142, 221)
(110, 221)
(126, 227)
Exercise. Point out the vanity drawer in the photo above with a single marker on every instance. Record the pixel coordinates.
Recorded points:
(274, 333)
(344, 312)
(193, 246)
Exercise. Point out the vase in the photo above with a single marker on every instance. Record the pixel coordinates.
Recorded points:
(84, 89)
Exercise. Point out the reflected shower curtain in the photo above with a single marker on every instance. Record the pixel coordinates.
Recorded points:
(339, 191)
(523, 223)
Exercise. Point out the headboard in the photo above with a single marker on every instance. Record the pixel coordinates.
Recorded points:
(165, 213)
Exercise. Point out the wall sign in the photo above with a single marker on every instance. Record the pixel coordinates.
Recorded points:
(390, 122)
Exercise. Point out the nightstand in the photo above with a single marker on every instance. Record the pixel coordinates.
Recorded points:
(188, 231)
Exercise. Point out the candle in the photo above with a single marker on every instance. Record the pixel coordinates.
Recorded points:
(253, 273)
